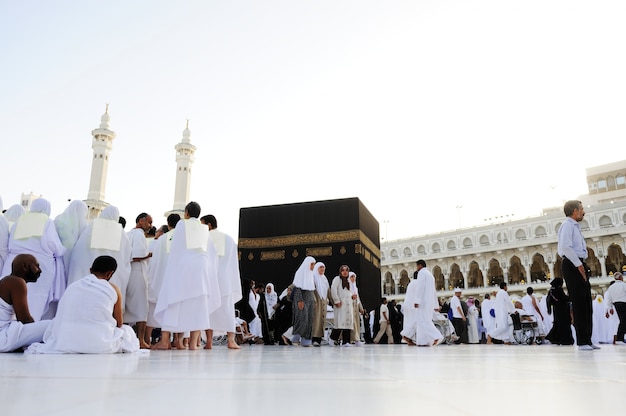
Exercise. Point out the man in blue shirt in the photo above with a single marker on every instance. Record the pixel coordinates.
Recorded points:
(573, 251)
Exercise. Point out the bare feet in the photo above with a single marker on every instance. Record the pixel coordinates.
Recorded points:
(144, 346)
(209, 345)
(436, 342)
(179, 345)
(162, 345)
(409, 341)
(233, 345)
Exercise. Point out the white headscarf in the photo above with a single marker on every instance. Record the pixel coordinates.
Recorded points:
(71, 222)
(14, 212)
(304, 278)
(271, 299)
(41, 205)
(353, 288)
(321, 281)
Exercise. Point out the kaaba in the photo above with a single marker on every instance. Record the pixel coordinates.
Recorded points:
(275, 239)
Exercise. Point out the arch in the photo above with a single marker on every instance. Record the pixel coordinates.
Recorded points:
(557, 267)
(593, 263)
(394, 254)
(557, 227)
(520, 234)
(516, 271)
(483, 240)
(540, 231)
(495, 274)
(467, 242)
(620, 181)
(539, 270)
(615, 258)
(382, 255)
(421, 249)
(610, 183)
(501, 238)
(451, 245)
(436, 248)
(605, 221)
(440, 281)
(624, 218)
(475, 275)
(601, 184)
(456, 277)
(389, 284)
(404, 281)
(407, 252)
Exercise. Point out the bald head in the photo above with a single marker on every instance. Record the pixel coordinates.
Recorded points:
(26, 266)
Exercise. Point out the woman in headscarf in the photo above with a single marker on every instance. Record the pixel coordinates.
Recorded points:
(342, 298)
(69, 224)
(472, 322)
(321, 302)
(283, 316)
(559, 302)
(13, 213)
(303, 302)
(271, 299)
(357, 311)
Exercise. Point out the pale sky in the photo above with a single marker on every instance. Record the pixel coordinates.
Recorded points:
(416, 107)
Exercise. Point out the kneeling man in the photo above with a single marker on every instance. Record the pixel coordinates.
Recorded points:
(89, 317)
(18, 329)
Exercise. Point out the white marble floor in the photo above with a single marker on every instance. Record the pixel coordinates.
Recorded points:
(369, 380)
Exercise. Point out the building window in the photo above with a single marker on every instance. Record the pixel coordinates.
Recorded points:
(602, 184)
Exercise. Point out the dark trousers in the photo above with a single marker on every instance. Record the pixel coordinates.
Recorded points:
(460, 327)
(336, 334)
(620, 308)
(579, 291)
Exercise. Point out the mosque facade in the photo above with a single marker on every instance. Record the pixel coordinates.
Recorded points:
(522, 252)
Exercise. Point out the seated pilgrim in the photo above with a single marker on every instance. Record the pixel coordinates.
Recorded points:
(18, 329)
(89, 317)
(523, 315)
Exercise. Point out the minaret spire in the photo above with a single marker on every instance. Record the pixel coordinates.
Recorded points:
(102, 144)
(185, 152)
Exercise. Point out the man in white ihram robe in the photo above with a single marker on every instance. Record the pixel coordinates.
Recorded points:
(503, 306)
(89, 317)
(190, 291)
(104, 236)
(34, 233)
(419, 305)
(223, 318)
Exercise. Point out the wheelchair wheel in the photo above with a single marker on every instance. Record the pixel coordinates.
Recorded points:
(525, 335)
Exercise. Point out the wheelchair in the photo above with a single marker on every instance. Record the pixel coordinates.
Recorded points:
(524, 330)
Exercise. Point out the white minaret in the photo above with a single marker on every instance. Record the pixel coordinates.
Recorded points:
(101, 144)
(184, 159)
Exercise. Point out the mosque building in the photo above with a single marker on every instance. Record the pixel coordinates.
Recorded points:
(520, 252)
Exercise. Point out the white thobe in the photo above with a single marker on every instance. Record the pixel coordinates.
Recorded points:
(84, 322)
(190, 290)
(503, 307)
(84, 252)
(223, 318)
(489, 322)
(156, 272)
(418, 322)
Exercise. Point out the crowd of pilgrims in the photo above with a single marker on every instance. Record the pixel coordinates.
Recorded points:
(166, 312)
